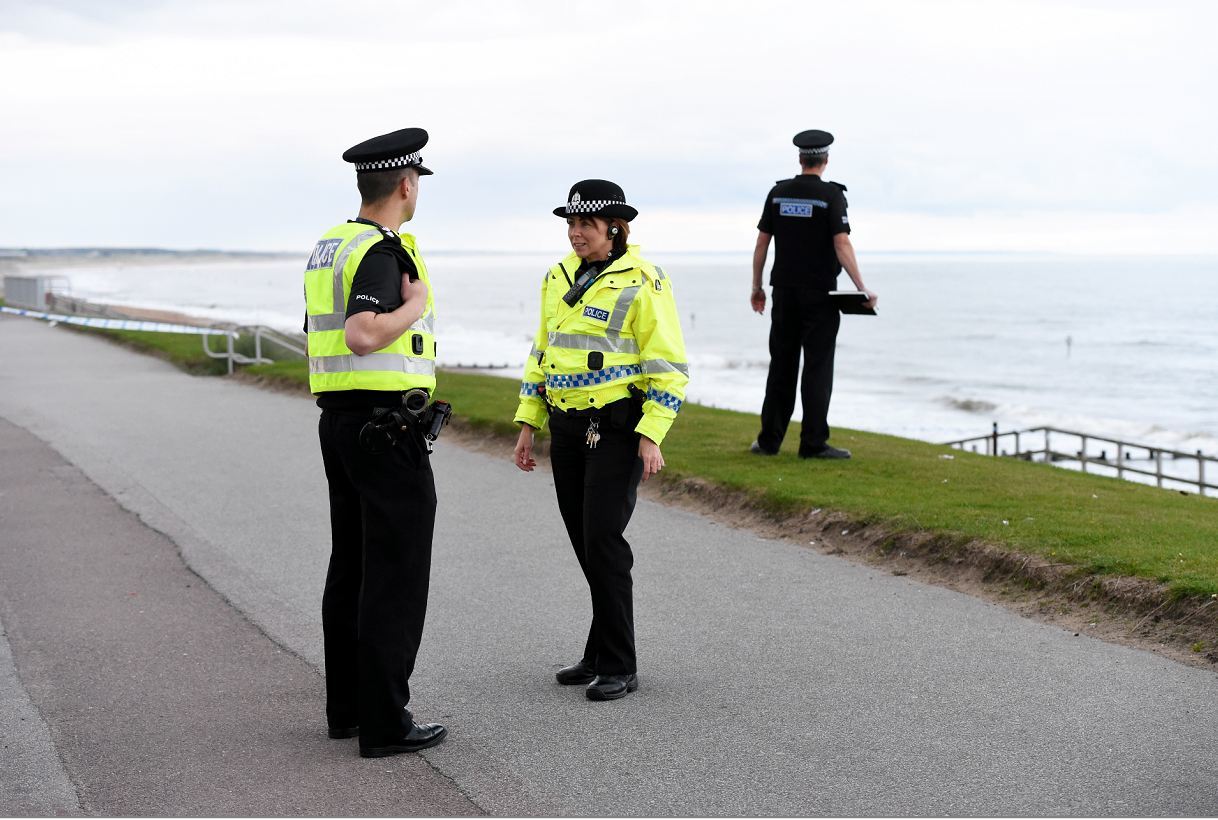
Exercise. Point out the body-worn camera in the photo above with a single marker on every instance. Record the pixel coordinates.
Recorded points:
(389, 425)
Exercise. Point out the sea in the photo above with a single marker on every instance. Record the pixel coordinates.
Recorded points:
(1122, 347)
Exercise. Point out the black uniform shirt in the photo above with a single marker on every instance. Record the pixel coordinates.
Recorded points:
(376, 287)
(804, 214)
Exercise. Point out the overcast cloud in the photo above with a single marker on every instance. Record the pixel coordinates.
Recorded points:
(1068, 126)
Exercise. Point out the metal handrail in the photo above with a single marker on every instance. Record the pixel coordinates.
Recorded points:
(1125, 452)
(279, 339)
(261, 333)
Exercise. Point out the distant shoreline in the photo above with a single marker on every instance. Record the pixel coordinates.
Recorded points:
(37, 257)
(40, 259)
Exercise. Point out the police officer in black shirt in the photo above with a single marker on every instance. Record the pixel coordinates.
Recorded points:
(806, 216)
(369, 320)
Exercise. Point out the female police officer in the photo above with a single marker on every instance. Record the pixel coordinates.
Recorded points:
(608, 370)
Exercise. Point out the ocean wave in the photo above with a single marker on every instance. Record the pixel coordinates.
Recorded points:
(969, 405)
(714, 362)
(1148, 343)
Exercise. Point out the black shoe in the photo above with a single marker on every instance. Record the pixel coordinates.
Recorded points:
(420, 736)
(756, 449)
(825, 452)
(575, 673)
(343, 732)
(611, 687)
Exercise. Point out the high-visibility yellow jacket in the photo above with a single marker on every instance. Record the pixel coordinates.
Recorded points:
(624, 331)
(407, 362)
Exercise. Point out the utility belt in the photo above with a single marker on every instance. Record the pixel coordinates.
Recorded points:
(389, 425)
(623, 407)
(621, 415)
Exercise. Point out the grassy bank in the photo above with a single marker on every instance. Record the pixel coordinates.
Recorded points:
(1090, 523)
(1101, 525)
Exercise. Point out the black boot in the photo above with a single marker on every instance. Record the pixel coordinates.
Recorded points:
(575, 673)
(420, 736)
(611, 687)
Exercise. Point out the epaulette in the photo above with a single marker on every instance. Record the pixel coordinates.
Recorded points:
(654, 275)
(838, 184)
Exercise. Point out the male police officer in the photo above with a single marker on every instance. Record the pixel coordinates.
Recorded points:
(370, 318)
(807, 217)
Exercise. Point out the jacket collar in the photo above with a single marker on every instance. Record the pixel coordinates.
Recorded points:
(627, 261)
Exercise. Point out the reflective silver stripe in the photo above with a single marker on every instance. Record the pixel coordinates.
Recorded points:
(340, 303)
(660, 273)
(388, 362)
(425, 324)
(618, 319)
(664, 366)
(605, 344)
(337, 321)
(326, 321)
(533, 351)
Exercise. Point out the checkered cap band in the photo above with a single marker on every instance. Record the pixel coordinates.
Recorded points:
(385, 164)
(584, 206)
(823, 150)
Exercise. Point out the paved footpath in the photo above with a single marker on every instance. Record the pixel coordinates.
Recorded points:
(775, 680)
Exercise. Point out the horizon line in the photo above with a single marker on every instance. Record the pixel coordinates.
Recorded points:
(26, 252)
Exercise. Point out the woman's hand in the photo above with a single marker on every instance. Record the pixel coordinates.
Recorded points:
(649, 452)
(524, 449)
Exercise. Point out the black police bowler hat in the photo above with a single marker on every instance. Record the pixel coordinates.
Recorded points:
(813, 142)
(399, 149)
(596, 197)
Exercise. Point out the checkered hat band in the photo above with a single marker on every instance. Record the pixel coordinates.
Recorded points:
(385, 164)
(824, 150)
(585, 206)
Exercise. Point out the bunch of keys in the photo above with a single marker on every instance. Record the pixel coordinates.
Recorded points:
(594, 435)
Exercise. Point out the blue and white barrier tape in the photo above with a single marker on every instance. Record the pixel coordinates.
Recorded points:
(117, 324)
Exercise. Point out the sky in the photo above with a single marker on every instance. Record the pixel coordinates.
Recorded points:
(1059, 126)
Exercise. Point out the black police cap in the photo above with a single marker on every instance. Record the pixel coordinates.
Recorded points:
(597, 197)
(399, 149)
(813, 142)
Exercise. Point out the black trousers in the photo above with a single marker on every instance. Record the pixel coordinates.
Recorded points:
(382, 513)
(801, 320)
(596, 494)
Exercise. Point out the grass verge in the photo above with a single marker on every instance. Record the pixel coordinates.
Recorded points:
(1152, 551)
